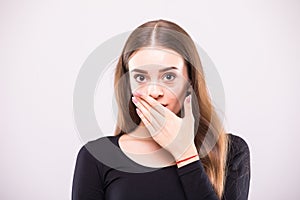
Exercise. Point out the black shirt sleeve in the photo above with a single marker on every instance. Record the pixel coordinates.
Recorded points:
(238, 170)
(196, 184)
(87, 184)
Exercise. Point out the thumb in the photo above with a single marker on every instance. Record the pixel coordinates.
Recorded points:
(188, 106)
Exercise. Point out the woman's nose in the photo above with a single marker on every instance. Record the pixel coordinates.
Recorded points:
(155, 91)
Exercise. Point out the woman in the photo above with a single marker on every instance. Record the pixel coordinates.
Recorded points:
(165, 116)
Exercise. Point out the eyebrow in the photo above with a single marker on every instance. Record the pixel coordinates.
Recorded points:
(162, 70)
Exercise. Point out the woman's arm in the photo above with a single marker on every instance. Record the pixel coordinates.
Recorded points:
(197, 185)
(87, 184)
(195, 182)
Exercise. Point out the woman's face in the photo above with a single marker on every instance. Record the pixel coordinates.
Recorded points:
(161, 74)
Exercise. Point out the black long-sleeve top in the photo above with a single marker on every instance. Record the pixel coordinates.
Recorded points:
(94, 180)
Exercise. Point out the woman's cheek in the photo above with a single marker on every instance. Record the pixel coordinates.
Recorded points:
(142, 89)
(178, 93)
(176, 98)
(135, 87)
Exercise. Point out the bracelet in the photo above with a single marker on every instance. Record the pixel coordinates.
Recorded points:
(186, 159)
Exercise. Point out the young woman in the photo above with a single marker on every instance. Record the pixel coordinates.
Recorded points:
(166, 123)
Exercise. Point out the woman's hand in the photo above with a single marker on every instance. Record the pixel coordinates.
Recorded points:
(171, 132)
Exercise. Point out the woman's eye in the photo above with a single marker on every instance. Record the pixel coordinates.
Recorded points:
(140, 78)
(169, 77)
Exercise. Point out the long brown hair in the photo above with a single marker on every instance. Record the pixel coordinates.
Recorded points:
(166, 34)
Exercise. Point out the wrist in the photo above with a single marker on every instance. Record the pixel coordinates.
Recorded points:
(189, 156)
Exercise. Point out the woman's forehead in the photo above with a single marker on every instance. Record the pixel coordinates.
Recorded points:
(155, 59)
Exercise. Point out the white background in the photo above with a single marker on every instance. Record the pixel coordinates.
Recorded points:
(43, 44)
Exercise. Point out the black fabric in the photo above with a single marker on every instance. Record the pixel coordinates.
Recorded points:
(94, 180)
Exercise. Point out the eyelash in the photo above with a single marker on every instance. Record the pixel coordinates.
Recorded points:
(167, 74)
(171, 74)
(138, 75)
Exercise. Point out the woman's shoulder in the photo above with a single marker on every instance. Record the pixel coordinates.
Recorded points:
(103, 140)
(238, 151)
(98, 149)
(237, 142)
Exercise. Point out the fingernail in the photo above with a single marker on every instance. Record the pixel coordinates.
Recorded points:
(188, 99)
(138, 111)
(134, 99)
